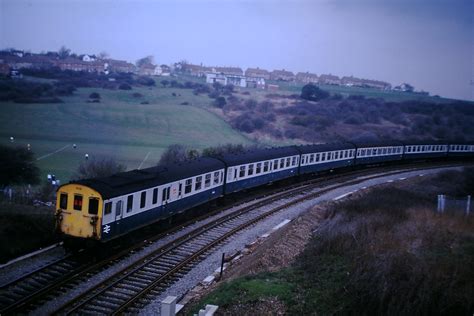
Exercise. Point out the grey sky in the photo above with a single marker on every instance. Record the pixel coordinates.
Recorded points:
(429, 43)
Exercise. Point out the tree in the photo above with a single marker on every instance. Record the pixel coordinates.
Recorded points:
(17, 166)
(220, 102)
(164, 82)
(98, 168)
(144, 61)
(312, 93)
(64, 52)
(220, 150)
(103, 55)
(177, 153)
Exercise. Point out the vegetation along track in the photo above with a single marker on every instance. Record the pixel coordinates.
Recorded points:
(135, 285)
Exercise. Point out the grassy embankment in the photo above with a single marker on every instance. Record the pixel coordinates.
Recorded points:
(119, 126)
(385, 252)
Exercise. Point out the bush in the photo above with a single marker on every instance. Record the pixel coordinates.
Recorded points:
(137, 95)
(94, 95)
(311, 92)
(220, 102)
(125, 86)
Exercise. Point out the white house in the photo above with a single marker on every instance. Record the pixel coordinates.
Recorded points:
(212, 77)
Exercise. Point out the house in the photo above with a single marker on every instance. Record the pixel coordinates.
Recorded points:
(306, 77)
(329, 79)
(88, 58)
(195, 70)
(282, 75)
(114, 65)
(212, 77)
(79, 65)
(253, 82)
(165, 70)
(351, 81)
(147, 69)
(382, 85)
(236, 71)
(257, 73)
(238, 81)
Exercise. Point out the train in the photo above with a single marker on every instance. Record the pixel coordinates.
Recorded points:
(104, 209)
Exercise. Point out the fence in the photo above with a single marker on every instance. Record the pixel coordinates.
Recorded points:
(455, 205)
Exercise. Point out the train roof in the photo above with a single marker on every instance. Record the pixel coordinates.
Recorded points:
(306, 149)
(258, 154)
(378, 144)
(427, 142)
(136, 180)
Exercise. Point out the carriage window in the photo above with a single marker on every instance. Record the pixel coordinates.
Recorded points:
(165, 194)
(129, 203)
(155, 196)
(336, 156)
(108, 208)
(188, 186)
(282, 163)
(198, 184)
(259, 168)
(207, 182)
(118, 208)
(374, 152)
(288, 160)
(389, 151)
(317, 157)
(78, 202)
(384, 151)
(379, 151)
(293, 161)
(323, 156)
(250, 171)
(265, 166)
(303, 159)
(93, 206)
(311, 158)
(143, 199)
(242, 172)
(275, 164)
(216, 177)
(63, 201)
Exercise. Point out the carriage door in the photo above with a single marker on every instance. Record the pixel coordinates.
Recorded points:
(118, 215)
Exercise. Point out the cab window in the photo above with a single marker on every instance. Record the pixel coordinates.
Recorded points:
(63, 201)
(93, 206)
(78, 202)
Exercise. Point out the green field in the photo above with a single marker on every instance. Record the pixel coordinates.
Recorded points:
(119, 126)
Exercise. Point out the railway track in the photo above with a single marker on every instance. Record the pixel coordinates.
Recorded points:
(39, 286)
(134, 286)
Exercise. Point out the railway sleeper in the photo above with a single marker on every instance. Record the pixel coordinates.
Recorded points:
(138, 283)
(150, 275)
(94, 310)
(130, 287)
(151, 270)
(119, 295)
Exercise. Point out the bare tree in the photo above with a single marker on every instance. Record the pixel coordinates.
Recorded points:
(177, 153)
(97, 168)
(64, 52)
(144, 61)
(103, 55)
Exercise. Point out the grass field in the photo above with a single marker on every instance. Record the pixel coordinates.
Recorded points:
(119, 126)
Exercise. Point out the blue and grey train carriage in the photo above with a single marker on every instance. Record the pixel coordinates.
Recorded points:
(259, 166)
(425, 149)
(105, 208)
(378, 152)
(461, 149)
(318, 158)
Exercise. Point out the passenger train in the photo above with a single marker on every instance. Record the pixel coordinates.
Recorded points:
(103, 209)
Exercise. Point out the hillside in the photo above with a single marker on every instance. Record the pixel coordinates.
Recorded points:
(120, 126)
(385, 251)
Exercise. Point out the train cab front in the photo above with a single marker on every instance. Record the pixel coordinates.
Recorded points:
(78, 214)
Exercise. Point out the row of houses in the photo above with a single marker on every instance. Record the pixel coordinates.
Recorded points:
(282, 75)
(86, 63)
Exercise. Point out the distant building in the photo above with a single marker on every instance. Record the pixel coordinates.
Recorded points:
(253, 82)
(165, 70)
(213, 77)
(236, 71)
(306, 77)
(195, 70)
(79, 65)
(119, 66)
(329, 79)
(282, 75)
(257, 73)
(88, 58)
(147, 70)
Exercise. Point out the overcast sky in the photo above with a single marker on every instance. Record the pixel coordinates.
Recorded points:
(428, 43)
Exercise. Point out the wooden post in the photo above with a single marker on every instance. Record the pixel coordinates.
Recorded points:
(222, 265)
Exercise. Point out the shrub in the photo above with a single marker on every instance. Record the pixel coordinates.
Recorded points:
(125, 86)
(94, 95)
(137, 95)
(220, 102)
